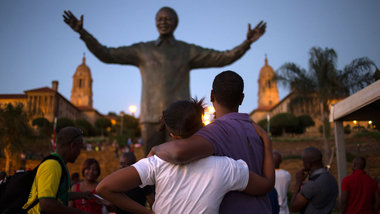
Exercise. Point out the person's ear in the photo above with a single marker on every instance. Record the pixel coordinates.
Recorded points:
(241, 99)
(212, 96)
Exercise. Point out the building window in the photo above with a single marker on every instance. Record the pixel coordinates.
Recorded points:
(80, 83)
(268, 84)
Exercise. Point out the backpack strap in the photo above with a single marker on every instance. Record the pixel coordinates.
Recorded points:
(63, 176)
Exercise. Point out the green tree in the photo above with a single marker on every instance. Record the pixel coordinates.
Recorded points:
(62, 123)
(283, 122)
(44, 126)
(263, 124)
(14, 131)
(305, 121)
(326, 81)
(85, 126)
(103, 124)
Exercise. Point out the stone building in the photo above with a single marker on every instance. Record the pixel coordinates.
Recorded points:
(269, 103)
(81, 92)
(268, 93)
(49, 103)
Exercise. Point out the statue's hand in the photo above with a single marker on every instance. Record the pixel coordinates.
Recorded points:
(72, 21)
(257, 32)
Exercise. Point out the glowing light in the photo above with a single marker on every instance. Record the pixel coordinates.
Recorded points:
(370, 122)
(355, 122)
(132, 109)
(206, 117)
(210, 109)
(206, 122)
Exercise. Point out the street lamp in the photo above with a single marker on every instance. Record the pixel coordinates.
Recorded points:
(132, 109)
(121, 122)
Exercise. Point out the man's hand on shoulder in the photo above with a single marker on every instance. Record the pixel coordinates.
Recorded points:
(263, 135)
(152, 152)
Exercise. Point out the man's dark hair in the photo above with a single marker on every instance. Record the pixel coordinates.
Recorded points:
(172, 11)
(68, 135)
(184, 118)
(228, 89)
(87, 164)
(359, 162)
(312, 155)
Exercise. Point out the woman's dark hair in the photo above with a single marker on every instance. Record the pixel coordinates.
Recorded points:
(130, 157)
(87, 164)
(184, 118)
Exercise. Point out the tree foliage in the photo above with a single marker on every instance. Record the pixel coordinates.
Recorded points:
(63, 122)
(85, 126)
(326, 80)
(103, 124)
(44, 127)
(305, 121)
(283, 123)
(287, 123)
(14, 131)
(131, 126)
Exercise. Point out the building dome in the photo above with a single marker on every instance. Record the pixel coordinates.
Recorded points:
(268, 92)
(266, 71)
(83, 69)
(81, 92)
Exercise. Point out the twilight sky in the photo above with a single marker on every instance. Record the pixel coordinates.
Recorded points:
(36, 46)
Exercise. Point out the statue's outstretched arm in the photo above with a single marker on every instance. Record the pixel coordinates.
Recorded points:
(123, 55)
(205, 58)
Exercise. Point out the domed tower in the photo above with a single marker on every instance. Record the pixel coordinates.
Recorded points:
(81, 93)
(268, 92)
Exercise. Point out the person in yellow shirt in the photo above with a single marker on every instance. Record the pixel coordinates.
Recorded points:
(51, 194)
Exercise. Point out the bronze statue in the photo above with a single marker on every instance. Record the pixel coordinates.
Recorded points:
(164, 65)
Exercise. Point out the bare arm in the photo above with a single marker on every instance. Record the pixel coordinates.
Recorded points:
(184, 150)
(78, 195)
(113, 187)
(49, 205)
(258, 185)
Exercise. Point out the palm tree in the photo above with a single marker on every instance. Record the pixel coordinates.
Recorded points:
(14, 133)
(326, 81)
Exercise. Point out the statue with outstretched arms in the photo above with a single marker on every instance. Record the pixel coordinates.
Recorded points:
(164, 65)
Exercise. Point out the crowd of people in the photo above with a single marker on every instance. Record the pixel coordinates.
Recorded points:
(227, 166)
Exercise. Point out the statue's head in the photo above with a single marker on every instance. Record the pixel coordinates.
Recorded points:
(166, 21)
